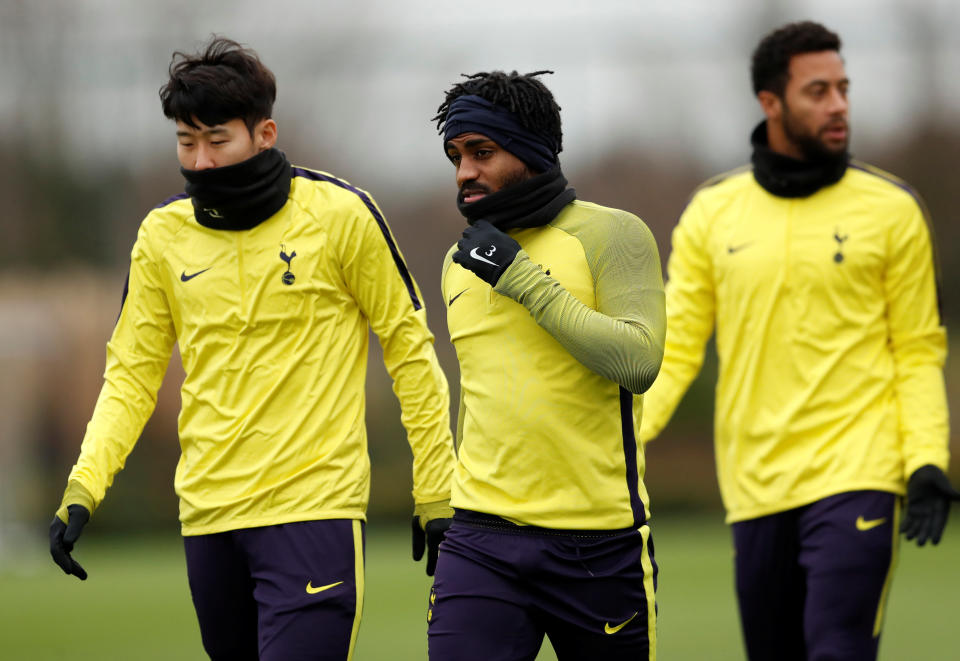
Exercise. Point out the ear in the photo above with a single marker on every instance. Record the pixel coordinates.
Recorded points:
(265, 134)
(771, 104)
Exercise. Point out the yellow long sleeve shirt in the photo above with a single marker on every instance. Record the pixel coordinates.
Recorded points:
(829, 338)
(553, 361)
(272, 324)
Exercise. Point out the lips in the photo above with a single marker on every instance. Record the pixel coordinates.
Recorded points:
(836, 131)
(469, 195)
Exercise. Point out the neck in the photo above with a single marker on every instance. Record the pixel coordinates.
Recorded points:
(531, 203)
(778, 142)
(784, 175)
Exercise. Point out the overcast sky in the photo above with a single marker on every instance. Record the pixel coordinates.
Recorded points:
(358, 80)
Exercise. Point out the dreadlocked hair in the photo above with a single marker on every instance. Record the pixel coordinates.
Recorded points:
(522, 94)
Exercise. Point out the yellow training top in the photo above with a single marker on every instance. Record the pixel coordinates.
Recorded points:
(829, 338)
(273, 325)
(552, 362)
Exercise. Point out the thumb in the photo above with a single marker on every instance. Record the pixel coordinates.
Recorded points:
(951, 493)
(943, 485)
(419, 538)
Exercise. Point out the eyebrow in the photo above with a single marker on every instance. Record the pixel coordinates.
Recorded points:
(823, 81)
(473, 142)
(209, 131)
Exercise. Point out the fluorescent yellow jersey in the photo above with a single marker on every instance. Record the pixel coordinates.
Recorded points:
(829, 338)
(272, 324)
(552, 363)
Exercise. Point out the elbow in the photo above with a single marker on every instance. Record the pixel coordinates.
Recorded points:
(644, 376)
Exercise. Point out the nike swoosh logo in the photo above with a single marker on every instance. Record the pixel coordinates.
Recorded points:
(863, 524)
(473, 253)
(184, 277)
(733, 249)
(313, 590)
(610, 630)
(450, 302)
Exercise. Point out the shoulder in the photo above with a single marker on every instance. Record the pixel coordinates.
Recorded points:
(882, 188)
(582, 217)
(165, 221)
(447, 262)
(601, 229)
(724, 186)
(318, 189)
(449, 256)
(722, 195)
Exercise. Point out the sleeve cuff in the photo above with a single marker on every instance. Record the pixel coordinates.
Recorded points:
(75, 494)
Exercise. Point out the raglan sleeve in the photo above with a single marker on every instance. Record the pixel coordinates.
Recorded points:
(690, 302)
(918, 341)
(381, 282)
(621, 340)
(138, 353)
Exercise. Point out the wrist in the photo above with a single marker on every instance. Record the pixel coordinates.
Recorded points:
(427, 512)
(75, 494)
(519, 276)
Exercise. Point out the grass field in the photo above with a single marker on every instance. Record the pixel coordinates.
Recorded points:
(136, 605)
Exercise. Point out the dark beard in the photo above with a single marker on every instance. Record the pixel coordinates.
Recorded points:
(811, 146)
(531, 202)
(514, 178)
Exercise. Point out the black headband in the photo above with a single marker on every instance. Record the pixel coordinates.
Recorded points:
(474, 114)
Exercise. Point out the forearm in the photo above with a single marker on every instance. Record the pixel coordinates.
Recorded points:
(922, 403)
(421, 388)
(626, 349)
(125, 403)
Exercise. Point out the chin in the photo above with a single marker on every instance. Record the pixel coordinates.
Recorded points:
(838, 150)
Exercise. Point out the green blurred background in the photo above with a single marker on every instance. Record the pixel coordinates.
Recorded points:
(136, 604)
(655, 99)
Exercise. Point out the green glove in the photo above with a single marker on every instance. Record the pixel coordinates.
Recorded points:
(430, 524)
(64, 534)
(928, 503)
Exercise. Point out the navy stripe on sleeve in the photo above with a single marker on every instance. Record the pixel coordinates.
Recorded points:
(381, 222)
(630, 456)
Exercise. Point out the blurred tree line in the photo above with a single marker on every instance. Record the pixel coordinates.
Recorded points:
(65, 253)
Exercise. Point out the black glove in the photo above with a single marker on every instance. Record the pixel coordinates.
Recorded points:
(928, 503)
(430, 524)
(486, 251)
(64, 535)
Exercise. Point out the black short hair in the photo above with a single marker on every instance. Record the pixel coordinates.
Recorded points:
(225, 81)
(770, 65)
(522, 94)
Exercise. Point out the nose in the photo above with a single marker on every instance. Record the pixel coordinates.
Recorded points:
(466, 171)
(204, 158)
(838, 102)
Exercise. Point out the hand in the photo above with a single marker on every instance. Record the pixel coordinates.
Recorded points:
(486, 251)
(430, 524)
(64, 535)
(928, 503)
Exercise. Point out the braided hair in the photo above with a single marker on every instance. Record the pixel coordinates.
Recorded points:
(522, 94)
